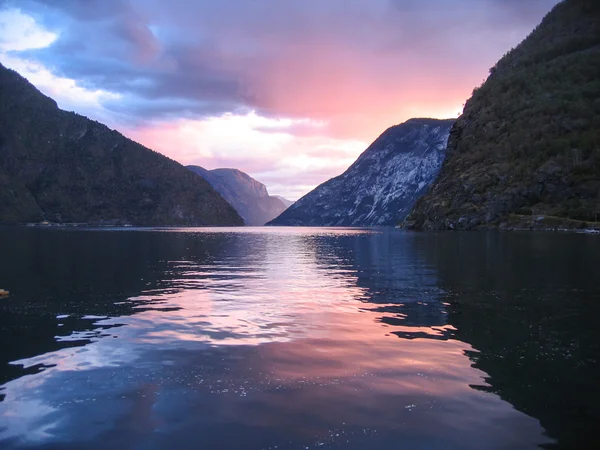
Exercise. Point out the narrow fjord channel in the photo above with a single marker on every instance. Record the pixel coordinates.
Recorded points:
(295, 338)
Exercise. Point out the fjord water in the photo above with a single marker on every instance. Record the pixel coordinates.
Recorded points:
(295, 338)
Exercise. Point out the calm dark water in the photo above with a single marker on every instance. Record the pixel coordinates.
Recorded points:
(298, 338)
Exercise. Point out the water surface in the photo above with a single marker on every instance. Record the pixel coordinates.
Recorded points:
(296, 338)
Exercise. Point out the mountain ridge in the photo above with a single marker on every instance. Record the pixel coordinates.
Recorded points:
(525, 153)
(382, 184)
(285, 201)
(63, 167)
(248, 196)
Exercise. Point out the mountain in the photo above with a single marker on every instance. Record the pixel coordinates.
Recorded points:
(62, 167)
(284, 200)
(382, 185)
(526, 150)
(248, 196)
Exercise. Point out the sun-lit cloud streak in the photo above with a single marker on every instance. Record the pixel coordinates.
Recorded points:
(19, 33)
(354, 67)
(268, 149)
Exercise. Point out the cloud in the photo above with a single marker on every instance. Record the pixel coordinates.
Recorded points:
(19, 32)
(300, 59)
(316, 71)
(290, 165)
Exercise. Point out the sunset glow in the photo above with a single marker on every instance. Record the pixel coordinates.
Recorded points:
(289, 92)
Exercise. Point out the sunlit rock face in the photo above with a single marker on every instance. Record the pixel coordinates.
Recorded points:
(248, 196)
(382, 185)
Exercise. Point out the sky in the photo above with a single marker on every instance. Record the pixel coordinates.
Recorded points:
(290, 92)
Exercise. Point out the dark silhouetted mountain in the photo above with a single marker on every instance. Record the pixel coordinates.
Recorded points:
(248, 196)
(62, 167)
(526, 150)
(382, 185)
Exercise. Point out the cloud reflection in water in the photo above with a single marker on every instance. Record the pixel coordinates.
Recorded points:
(257, 339)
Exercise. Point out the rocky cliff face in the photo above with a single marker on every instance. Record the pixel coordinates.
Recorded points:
(62, 167)
(526, 151)
(382, 185)
(248, 196)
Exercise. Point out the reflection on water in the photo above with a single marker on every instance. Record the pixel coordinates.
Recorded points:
(297, 338)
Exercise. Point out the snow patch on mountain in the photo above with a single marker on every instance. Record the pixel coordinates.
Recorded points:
(382, 185)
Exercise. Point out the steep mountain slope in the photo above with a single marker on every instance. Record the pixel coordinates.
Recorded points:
(248, 196)
(284, 200)
(527, 148)
(382, 185)
(62, 167)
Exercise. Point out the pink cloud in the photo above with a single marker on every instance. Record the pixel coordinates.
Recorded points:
(289, 165)
(324, 78)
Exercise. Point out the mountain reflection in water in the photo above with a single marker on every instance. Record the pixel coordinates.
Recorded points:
(297, 338)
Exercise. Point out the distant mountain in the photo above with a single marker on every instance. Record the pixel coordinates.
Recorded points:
(285, 201)
(62, 167)
(526, 150)
(248, 196)
(382, 185)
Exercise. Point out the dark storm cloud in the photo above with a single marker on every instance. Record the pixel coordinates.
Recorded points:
(292, 58)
